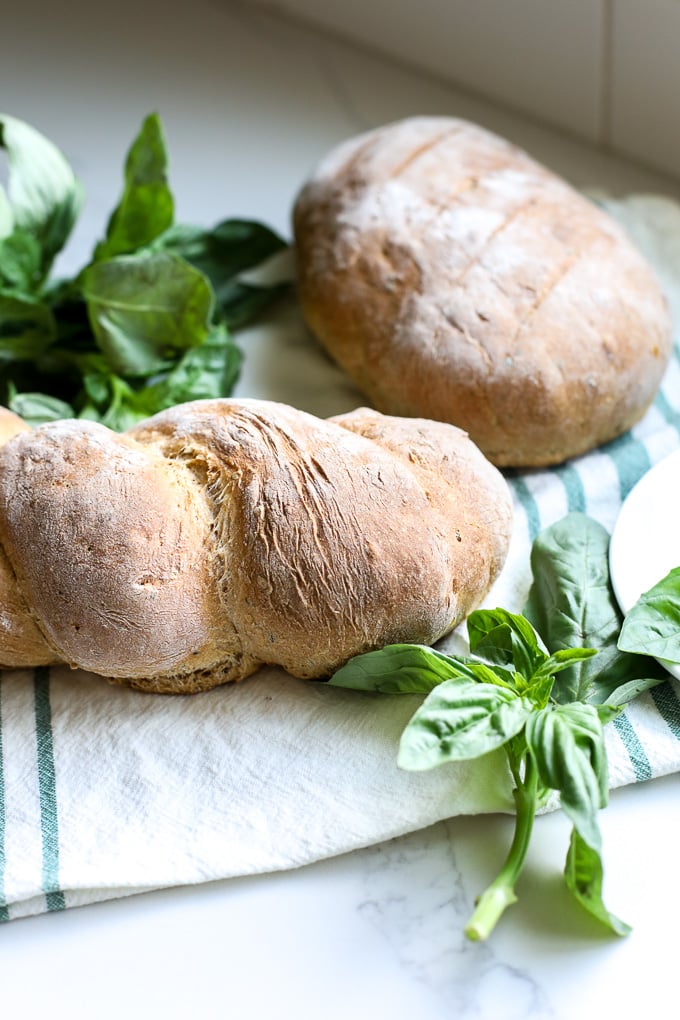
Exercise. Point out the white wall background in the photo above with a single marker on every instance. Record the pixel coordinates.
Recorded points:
(605, 70)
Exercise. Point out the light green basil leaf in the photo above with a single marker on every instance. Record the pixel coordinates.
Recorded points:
(627, 692)
(584, 874)
(146, 207)
(567, 742)
(652, 627)
(563, 658)
(608, 711)
(461, 719)
(396, 669)
(537, 688)
(485, 673)
(44, 194)
(38, 408)
(145, 310)
(506, 638)
(572, 605)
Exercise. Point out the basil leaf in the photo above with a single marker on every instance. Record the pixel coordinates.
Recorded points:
(583, 875)
(44, 195)
(395, 669)
(461, 719)
(205, 372)
(506, 638)
(241, 303)
(567, 742)
(146, 309)
(38, 408)
(27, 328)
(6, 217)
(230, 248)
(627, 692)
(562, 659)
(571, 604)
(652, 627)
(146, 208)
(202, 373)
(146, 324)
(20, 262)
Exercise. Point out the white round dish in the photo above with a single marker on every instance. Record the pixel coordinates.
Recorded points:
(645, 543)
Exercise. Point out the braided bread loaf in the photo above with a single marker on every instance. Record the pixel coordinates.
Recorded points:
(222, 535)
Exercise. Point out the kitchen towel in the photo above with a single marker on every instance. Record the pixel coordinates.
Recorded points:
(106, 791)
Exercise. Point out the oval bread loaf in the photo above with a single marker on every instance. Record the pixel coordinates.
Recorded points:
(222, 535)
(453, 277)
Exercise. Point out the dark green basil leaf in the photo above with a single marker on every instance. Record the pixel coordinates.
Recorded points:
(567, 742)
(396, 669)
(461, 719)
(241, 303)
(583, 874)
(44, 195)
(230, 248)
(652, 627)
(27, 328)
(20, 262)
(204, 372)
(572, 605)
(146, 207)
(147, 309)
(6, 217)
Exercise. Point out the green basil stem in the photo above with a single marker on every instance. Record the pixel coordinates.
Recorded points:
(501, 893)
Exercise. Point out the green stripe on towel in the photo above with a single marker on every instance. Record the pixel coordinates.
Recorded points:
(571, 480)
(630, 459)
(48, 790)
(528, 504)
(669, 413)
(634, 749)
(4, 912)
(668, 706)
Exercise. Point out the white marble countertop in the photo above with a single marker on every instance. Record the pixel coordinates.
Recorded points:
(249, 103)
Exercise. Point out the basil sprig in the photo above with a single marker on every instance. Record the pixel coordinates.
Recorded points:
(532, 687)
(147, 323)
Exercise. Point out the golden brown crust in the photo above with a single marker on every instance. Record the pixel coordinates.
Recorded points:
(10, 425)
(455, 278)
(221, 535)
(20, 637)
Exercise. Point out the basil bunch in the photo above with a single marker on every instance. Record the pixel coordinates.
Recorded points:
(541, 686)
(146, 323)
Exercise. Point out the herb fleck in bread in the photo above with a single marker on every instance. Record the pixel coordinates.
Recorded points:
(455, 278)
(222, 535)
